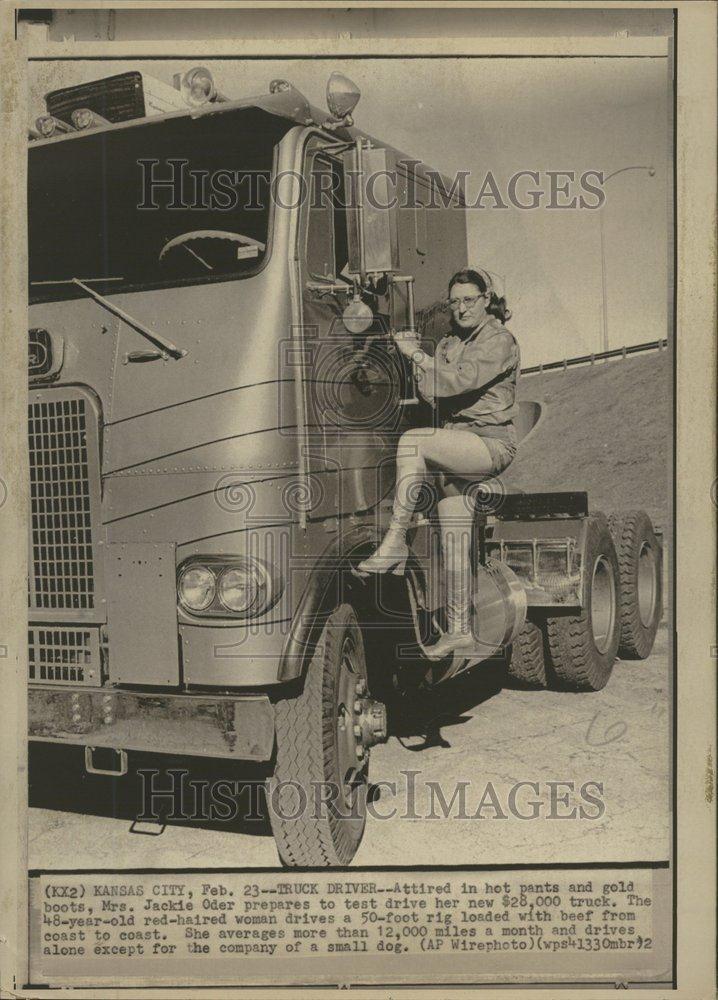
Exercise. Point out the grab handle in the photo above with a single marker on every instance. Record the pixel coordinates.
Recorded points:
(113, 772)
(408, 279)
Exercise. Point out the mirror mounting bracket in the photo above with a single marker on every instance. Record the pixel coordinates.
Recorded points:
(328, 286)
(332, 124)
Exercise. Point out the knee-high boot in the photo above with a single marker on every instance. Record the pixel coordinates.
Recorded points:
(393, 551)
(456, 534)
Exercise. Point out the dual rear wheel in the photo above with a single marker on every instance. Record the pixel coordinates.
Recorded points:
(621, 609)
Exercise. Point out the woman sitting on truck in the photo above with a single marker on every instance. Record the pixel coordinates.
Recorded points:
(471, 382)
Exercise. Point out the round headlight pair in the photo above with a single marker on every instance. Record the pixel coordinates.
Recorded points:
(238, 588)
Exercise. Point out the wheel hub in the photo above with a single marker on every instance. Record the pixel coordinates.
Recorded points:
(361, 722)
(370, 722)
(603, 604)
(646, 585)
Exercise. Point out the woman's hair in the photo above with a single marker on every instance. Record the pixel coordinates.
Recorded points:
(497, 304)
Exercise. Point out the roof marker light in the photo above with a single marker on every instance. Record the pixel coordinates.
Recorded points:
(197, 86)
(342, 97)
(83, 118)
(48, 125)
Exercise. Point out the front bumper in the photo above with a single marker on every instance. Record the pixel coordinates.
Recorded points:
(238, 728)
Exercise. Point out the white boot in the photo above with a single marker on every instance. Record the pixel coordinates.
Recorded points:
(456, 536)
(393, 552)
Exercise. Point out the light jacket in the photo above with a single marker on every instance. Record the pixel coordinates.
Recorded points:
(473, 381)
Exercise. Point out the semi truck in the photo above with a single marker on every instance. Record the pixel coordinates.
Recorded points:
(214, 407)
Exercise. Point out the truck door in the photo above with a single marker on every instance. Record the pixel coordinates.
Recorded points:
(353, 382)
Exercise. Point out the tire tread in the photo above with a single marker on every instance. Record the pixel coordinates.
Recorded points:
(636, 640)
(303, 752)
(573, 657)
(526, 662)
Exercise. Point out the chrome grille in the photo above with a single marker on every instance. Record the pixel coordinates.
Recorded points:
(64, 499)
(64, 655)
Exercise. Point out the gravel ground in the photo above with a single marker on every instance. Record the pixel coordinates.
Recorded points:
(487, 735)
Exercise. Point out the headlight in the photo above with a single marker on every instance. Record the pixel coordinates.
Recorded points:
(228, 587)
(243, 588)
(196, 588)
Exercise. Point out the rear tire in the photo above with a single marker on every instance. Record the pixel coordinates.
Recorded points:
(316, 749)
(582, 648)
(641, 583)
(526, 663)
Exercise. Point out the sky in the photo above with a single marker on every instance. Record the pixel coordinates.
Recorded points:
(500, 116)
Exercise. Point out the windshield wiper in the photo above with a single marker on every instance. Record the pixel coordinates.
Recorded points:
(68, 281)
(154, 338)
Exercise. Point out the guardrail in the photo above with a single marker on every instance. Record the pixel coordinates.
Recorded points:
(590, 359)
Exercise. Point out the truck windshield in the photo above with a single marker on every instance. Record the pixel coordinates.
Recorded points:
(160, 204)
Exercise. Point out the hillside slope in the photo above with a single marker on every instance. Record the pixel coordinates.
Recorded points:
(605, 429)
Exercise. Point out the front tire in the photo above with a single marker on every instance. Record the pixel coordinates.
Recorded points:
(583, 647)
(317, 795)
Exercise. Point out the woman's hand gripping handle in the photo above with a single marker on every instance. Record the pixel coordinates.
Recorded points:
(407, 343)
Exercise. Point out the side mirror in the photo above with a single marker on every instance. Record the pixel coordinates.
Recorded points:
(372, 215)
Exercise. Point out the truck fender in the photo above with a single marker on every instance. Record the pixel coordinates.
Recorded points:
(330, 576)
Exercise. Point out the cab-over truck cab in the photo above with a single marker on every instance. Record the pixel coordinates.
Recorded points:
(214, 408)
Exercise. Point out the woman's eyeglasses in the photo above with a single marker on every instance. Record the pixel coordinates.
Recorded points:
(468, 301)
